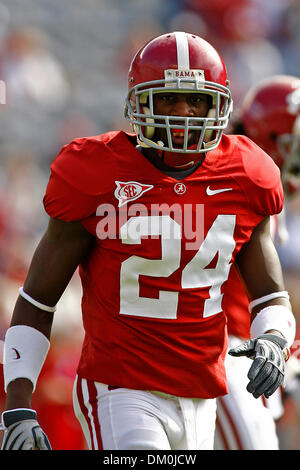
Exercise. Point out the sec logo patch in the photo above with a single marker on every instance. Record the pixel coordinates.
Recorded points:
(130, 191)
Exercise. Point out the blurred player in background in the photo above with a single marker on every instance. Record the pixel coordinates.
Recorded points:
(270, 116)
(152, 361)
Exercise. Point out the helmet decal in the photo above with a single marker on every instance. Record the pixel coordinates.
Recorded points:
(183, 58)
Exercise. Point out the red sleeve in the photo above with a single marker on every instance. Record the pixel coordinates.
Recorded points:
(64, 201)
(78, 179)
(264, 188)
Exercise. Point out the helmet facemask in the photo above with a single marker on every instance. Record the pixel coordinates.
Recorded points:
(139, 111)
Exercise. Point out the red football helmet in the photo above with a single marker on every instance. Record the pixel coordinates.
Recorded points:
(178, 62)
(270, 117)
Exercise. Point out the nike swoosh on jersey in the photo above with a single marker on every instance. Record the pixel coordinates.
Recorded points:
(212, 192)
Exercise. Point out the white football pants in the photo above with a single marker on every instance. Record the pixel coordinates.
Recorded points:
(244, 422)
(125, 419)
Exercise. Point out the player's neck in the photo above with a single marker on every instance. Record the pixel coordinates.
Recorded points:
(179, 172)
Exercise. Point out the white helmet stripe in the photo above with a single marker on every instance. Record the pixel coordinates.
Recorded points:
(183, 58)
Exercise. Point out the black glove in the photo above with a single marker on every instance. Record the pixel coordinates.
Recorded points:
(268, 368)
(22, 431)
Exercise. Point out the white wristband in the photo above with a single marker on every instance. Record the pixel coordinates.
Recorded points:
(275, 317)
(25, 351)
(266, 298)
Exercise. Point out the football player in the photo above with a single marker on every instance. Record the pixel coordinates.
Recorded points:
(154, 220)
(270, 116)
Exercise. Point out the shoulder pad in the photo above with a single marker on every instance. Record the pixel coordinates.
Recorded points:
(259, 167)
(86, 164)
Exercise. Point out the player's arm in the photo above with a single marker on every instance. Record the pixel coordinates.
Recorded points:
(272, 321)
(60, 251)
(259, 265)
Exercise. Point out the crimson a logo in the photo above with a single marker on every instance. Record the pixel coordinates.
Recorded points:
(179, 188)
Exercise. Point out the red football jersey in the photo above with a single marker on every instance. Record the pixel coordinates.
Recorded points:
(154, 281)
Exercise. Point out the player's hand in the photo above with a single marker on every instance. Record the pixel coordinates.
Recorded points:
(22, 431)
(268, 368)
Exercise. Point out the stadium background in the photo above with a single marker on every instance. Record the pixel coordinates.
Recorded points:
(64, 64)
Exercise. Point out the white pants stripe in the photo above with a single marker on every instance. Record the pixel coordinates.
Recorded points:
(125, 419)
(86, 411)
(226, 430)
